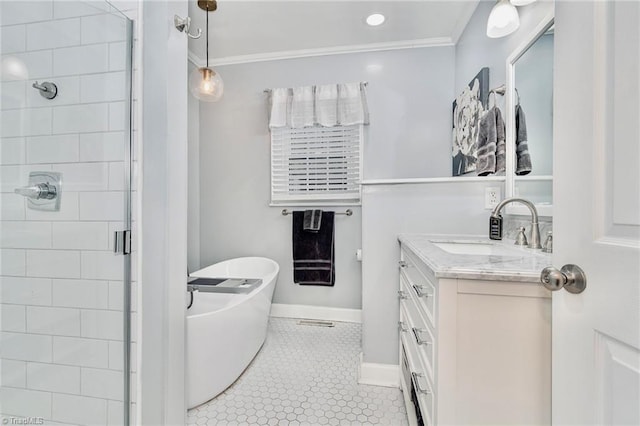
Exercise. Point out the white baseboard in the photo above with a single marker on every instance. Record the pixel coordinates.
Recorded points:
(316, 312)
(387, 375)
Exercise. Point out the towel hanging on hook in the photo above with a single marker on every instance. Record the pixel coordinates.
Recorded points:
(494, 99)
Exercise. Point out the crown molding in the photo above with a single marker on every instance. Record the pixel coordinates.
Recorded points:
(324, 51)
(195, 59)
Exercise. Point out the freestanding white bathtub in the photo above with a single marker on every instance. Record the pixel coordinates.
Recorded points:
(226, 331)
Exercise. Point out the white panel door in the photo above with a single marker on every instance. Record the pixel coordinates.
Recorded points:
(596, 334)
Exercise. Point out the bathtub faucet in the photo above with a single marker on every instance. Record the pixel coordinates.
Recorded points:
(495, 222)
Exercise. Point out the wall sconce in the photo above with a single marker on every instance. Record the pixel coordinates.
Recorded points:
(521, 2)
(503, 19)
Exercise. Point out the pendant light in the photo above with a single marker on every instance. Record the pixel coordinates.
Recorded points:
(205, 83)
(503, 19)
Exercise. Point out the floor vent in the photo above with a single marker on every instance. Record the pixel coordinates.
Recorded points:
(317, 323)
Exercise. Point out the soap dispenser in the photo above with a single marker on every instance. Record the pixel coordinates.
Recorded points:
(521, 239)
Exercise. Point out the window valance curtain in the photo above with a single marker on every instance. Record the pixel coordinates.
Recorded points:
(325, 105)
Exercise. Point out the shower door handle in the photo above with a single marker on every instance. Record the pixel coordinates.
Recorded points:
(122, 242)
(40, 191)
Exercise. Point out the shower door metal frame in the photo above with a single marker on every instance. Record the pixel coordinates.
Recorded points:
(128, 141)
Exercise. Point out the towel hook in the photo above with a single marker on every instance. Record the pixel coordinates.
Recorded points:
(500, 90)
(183, 25)
(47, 89)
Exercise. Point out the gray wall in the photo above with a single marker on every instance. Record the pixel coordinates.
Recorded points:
(475, 50)
(454, 207)
(409, 96)
(389, 210)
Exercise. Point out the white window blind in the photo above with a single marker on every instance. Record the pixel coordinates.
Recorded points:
(316, 164)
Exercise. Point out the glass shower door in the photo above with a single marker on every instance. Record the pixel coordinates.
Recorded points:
(65, 189)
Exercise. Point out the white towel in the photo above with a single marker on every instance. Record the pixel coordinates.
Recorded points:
(279, 107)
(327, 105)
(351, 104)
(302, 107)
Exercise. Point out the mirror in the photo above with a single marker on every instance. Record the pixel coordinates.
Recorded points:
(530, 120)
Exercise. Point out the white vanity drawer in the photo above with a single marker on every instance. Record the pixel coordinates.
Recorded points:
(422, 283)
(420, 332)
(414, 371)
(411, 258)
(422, 289)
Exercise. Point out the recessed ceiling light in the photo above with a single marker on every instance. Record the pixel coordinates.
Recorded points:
(375, 19)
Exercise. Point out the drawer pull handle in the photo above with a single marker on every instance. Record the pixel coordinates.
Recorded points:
(403, 264)
(402, 327)
(419, 290)
(416, 382)
(402, 295)
(416, 334)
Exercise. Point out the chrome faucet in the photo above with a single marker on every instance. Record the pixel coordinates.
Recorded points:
(495, 222)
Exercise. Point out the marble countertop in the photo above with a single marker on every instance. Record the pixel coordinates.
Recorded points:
(495, 260)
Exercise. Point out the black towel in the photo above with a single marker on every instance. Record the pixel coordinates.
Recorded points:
(313, 252)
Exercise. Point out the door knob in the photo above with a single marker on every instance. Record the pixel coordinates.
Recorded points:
(570, 277)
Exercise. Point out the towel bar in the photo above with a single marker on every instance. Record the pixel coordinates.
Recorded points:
(349, 212)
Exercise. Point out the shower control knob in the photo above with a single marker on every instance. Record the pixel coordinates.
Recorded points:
(570, 277)
(38, 191)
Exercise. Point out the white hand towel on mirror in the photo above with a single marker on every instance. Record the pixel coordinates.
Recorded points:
(302, 107)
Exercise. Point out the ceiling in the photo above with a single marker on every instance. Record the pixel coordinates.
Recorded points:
(241, 31)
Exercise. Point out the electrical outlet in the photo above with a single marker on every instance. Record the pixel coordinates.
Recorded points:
(492, 197)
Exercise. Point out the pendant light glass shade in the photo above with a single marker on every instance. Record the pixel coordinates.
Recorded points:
(206, 84)
(503, 19)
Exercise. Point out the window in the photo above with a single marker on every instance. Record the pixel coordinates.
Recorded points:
(316, 164)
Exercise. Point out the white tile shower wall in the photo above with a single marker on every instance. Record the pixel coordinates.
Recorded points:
(60, 285)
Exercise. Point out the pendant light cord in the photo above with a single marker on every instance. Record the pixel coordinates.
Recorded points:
(207, 37)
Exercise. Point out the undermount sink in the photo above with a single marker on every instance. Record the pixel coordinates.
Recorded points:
(472, 247)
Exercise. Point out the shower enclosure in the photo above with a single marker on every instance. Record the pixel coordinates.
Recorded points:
(65, 213)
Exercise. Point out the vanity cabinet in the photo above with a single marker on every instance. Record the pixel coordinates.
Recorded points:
(472, 351)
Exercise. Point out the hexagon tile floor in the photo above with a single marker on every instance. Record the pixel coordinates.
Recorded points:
(304, 375)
